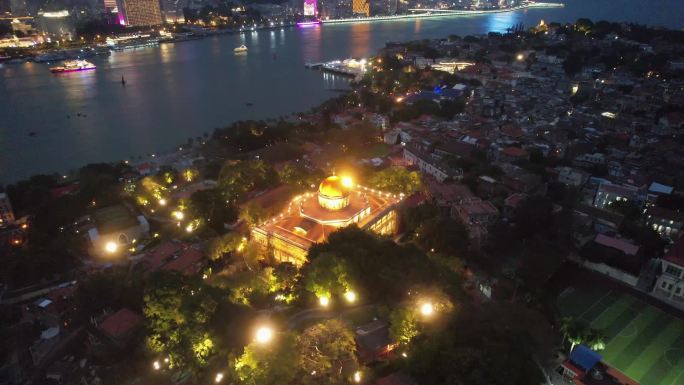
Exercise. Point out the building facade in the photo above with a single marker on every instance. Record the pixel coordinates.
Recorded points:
(361, 7)
(6, 212)
(670, 282)
(134, 13)
(311, 217)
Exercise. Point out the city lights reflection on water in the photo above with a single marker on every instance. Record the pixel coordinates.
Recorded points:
(184, 90)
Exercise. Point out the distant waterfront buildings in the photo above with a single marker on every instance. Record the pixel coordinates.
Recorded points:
(310, 8)
(133, 13)
(172, 11)
(58, 24)
(361, 7)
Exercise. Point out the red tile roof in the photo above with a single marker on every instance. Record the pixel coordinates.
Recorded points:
(121, 323)
(617, 243)
(159, 255)
(514, 152)
(186, 262)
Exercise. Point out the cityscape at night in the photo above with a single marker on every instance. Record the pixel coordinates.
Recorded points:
(330, 192)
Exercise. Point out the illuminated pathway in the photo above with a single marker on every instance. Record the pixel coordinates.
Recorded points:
(442, 13)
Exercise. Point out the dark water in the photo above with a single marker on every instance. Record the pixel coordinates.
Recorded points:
(183, 90)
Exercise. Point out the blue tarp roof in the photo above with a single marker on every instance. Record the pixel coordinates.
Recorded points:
(584, 357)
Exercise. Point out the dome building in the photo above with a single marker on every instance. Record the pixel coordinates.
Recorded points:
(311, 217)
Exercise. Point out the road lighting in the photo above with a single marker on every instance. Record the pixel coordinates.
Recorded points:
(178, 215)
(520, 57)
(111, 247)
(324, 301)
(350, 296)
(357, 376)
(427, 309)
(218, 378)
(264, 335)
(156, 365)
(162, 202)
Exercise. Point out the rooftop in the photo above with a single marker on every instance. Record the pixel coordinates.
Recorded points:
(676, 253)
(114, 218)
(121, 323)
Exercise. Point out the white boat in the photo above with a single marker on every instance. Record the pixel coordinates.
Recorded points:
(242, 48)
(73, 66)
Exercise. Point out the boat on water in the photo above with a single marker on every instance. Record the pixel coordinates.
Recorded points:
(73, 66)
(242, 48)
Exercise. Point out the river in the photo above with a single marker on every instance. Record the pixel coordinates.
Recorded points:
(182, 90)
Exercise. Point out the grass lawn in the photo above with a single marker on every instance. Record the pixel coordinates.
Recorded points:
(642, 341)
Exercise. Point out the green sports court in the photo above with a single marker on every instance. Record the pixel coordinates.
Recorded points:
(642, 341)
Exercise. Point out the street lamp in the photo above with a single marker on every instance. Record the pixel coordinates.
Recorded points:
(324, 301)
(156, 365)
(350, 296)
(218, 378)
(178, 215)
(111, 247)
(264, 335)
(357, 376)
(427, 309)
(162, 202)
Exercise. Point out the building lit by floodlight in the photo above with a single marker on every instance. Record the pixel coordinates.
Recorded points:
(310, 8)
(361, 7)
(133, 13)
(311, 217)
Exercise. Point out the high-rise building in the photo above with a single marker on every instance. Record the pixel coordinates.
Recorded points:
(135, 13)
(58, 24)
(172, 10)
(361, 7)
(6, 213)
(310, 8)
(109, 5)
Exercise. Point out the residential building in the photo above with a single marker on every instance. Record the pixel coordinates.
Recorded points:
(670, 283)
(667, 223)
(608, 193)
(572, 177)
(430, 166)
(475, 210)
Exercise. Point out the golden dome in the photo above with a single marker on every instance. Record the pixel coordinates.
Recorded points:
(333, 187)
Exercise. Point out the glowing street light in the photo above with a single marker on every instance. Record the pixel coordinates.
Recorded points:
(178, 215)
(350, 296)
(347, 182)
(156, 365)
(520, 57)
(218, 378)
(264, 335)
(111, 247)
(162, 202)
(427, 309)
(324, 301)
(357, 376)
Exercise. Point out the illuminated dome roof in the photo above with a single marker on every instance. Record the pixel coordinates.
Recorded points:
(333, 187)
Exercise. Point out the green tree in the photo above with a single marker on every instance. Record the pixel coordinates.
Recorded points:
(327, 275)
(325, 349)
(403, 324)
(222, 245)
(443, 235)
(396, 180)
(274, 363)
(253, 214)
(178, 310)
